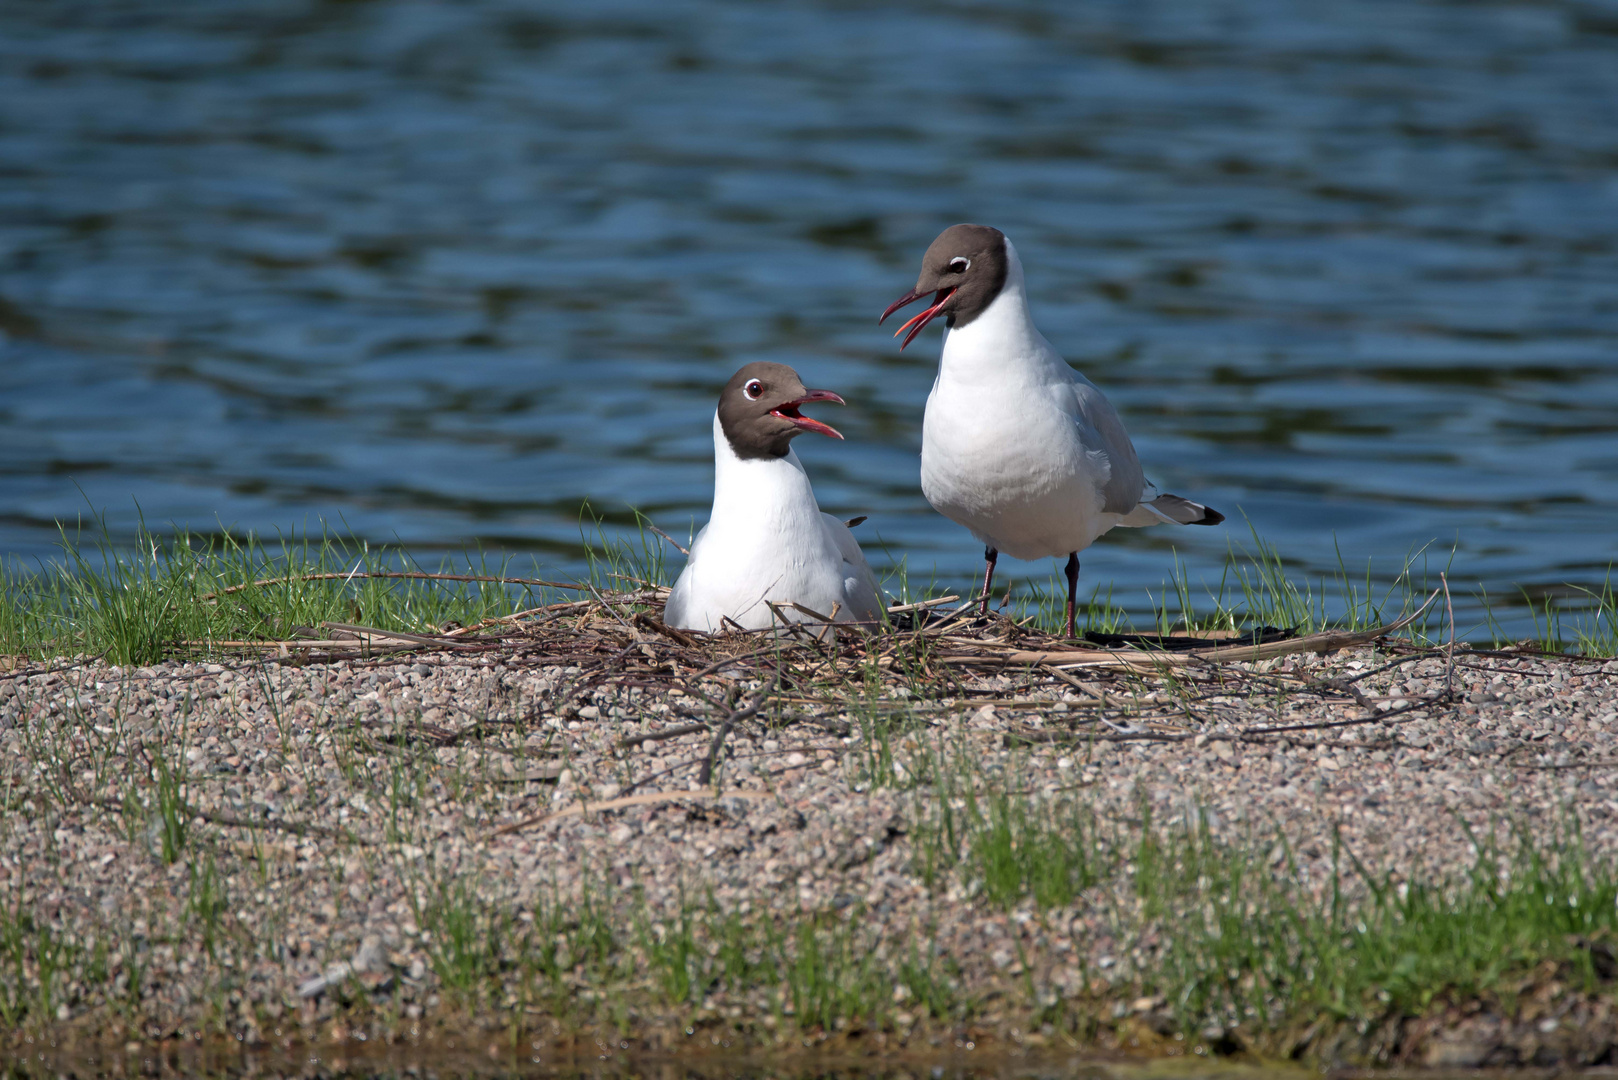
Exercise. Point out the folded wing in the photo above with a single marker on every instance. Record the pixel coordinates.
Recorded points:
(862, 601)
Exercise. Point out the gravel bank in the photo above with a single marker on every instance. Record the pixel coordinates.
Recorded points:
(496, 848)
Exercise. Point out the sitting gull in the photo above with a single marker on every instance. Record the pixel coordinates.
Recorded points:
(766, 542)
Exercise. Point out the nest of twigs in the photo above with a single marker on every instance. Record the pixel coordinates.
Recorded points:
(625, 626)
(944, 654)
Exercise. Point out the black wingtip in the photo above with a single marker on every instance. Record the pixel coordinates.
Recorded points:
(1210, 516)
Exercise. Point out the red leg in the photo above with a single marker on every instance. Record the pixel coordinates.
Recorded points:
(989, 557)
(1072, 590)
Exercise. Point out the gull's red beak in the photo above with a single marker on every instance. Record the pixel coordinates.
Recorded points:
(918, 322)
(789, 411)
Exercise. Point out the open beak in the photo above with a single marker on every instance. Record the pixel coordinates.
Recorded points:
(789, 411)
(918, 322)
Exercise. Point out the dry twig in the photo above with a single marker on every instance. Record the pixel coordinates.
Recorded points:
(412, 575)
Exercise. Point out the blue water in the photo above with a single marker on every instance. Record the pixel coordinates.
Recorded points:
(439, 272)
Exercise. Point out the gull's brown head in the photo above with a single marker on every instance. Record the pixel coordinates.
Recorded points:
(962, 272)
(758, 410)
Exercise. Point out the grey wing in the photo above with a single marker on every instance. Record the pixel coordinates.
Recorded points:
(1105, 434)
(859, 584)
(1127, 491)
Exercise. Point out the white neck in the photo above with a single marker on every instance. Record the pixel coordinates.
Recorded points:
(759, 489)
(1002, 343)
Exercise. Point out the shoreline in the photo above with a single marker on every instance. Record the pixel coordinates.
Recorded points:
(899, 855)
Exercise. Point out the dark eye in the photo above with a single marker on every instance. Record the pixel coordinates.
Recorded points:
(960, 265)
(753, 389)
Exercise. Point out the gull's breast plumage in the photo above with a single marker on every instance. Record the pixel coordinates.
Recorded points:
(1014, 469)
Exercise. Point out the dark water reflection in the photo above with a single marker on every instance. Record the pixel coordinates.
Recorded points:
(441, 271)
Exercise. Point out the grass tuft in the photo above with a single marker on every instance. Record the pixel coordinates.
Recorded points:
(466, 936)
(189, 593)
(1236, 930)
(1250, 941)
(163, 594)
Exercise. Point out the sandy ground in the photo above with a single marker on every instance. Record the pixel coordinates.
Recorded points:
(316, 815)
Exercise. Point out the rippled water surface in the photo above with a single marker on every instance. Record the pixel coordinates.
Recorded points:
(441, 271)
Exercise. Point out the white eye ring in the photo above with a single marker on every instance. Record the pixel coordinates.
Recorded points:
(960, 264)
(753, 389)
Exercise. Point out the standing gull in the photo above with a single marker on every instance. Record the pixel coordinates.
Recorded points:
(1016, 445)
(767, 541)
